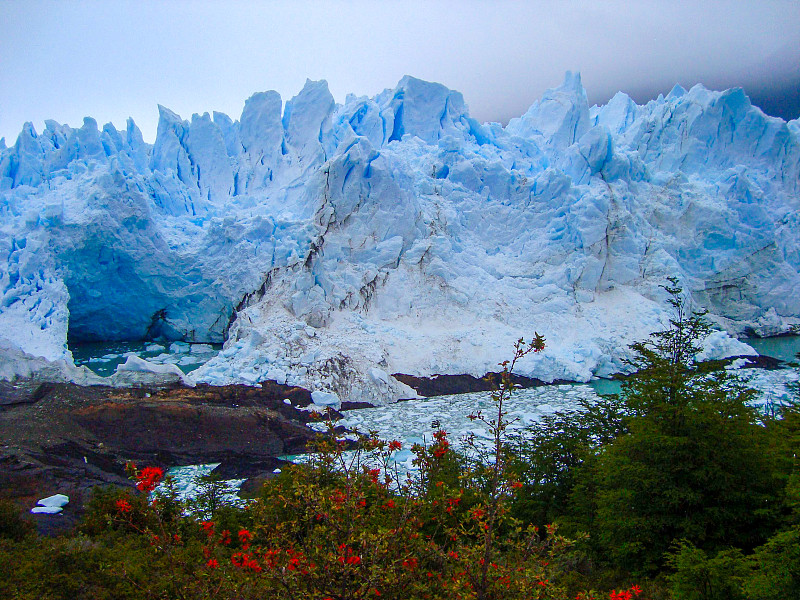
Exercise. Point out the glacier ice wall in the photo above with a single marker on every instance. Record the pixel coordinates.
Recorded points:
(330, 245)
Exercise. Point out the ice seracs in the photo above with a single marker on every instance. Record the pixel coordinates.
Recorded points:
(331, 245)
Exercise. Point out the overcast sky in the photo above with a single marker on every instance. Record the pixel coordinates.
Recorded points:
(110, 60)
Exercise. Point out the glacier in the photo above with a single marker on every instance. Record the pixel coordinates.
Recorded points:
(330, 245)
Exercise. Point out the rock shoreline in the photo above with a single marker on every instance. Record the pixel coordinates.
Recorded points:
(66, 438)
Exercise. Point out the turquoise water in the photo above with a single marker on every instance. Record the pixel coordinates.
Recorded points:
(605, 386)
(104, 357)
(784, 347)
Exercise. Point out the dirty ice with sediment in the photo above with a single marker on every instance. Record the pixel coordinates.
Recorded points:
(330, 245)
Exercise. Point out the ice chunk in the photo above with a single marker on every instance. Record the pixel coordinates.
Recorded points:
(323, 398)
(179, 347)
(46, 510)
(201, 349)
(719, 344)
(304, 119)
(137, 370)
(561, 117)
(56, 500)
(427, 110)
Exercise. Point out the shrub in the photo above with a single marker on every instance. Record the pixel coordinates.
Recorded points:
(12, 525)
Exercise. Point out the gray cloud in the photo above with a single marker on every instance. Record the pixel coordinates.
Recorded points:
(113, 60)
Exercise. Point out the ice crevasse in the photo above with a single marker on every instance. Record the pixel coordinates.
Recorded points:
(331, 245)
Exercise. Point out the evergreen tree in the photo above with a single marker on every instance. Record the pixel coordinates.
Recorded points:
(695, 464)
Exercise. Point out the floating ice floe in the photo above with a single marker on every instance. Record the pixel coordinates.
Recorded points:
(137, 370)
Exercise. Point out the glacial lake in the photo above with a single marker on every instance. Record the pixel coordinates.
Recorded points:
(104, 357)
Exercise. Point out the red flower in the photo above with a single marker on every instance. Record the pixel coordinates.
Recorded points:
(636, 590)
(253, 566)
(347, 556)
(149, 478)
(212, 563)
(389, 504)
(395, 445)
(123, 505)
(241, 560)
(208, 527)
(269, 558)
(410, 563)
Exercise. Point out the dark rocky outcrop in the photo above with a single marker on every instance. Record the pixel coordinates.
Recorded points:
(65, 438)
(441, 385)
(760, 362)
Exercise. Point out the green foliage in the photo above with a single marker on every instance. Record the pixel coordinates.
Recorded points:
(12, 525)
(211, 495)
(550, 455)
(776, 568)
(700, 577)
(695, 463)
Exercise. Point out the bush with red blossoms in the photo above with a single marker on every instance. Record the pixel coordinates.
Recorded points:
(345, 526)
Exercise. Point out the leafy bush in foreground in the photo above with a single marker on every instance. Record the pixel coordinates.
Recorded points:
(341, 527)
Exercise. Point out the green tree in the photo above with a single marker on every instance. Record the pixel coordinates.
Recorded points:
(700, 577)
(695, 464)
(550, 455)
